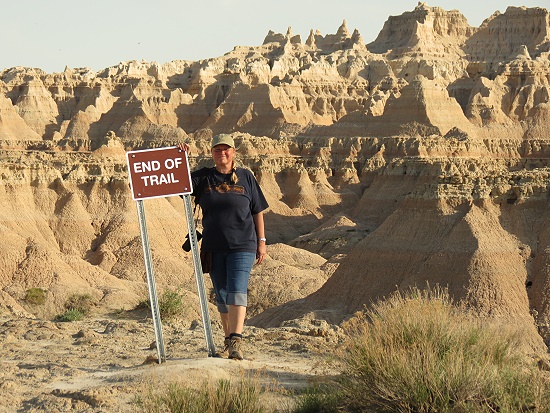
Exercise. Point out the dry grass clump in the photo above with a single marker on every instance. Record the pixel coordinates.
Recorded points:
(240, 396)
(417, 352)
(35, 296)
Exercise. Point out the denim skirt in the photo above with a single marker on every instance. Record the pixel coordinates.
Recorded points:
(230, 273)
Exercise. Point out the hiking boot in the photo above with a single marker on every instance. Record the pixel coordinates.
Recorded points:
(235, 348)
(225, 351)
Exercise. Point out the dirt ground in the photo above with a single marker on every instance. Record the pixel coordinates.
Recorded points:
(104, 364)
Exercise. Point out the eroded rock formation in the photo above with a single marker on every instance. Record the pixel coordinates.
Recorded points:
(421, 157)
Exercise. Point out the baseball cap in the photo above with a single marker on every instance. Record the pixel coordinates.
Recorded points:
(223, 138)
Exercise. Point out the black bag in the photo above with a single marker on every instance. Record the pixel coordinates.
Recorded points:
(206, 257)
(187, 244)
(206, 261)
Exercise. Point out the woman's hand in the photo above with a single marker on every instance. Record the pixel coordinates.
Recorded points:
(184, 147)
(261, 252)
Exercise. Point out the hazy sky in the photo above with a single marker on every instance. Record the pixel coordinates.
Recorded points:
(52, 34)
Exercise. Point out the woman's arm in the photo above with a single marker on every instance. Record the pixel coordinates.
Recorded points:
(260, 234)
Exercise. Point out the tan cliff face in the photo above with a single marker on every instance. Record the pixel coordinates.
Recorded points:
(419, 158)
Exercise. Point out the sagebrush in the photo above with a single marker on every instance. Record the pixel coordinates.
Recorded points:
(417, 352)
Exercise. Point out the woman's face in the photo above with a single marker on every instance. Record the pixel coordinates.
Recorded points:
(223, 155)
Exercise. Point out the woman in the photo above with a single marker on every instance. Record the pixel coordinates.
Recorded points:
(232, 206)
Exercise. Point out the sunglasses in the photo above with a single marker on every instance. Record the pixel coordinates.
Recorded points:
(220, 150)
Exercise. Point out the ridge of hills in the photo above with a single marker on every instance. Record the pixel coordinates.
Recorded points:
(421, 157)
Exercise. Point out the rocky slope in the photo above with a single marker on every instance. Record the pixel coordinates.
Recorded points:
(421, 157)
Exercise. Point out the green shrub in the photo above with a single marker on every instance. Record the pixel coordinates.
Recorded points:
(417, 352)
(70, 315)
(170, 304)
(36, 296)
(77, 307)
(225, 396)
(82, 303)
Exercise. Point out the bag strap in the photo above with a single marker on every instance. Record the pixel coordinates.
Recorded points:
(199, 192)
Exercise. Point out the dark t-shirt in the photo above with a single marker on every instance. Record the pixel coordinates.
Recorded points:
(227, 209)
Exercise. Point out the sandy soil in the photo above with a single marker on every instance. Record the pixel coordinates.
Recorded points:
(103, 364)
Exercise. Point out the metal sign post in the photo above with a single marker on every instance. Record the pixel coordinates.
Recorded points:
(151, 283)
(199, 276)
(158, 173)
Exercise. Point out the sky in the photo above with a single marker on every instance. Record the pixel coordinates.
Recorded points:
(54, 34)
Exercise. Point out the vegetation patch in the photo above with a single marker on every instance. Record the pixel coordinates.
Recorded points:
(69, 316)
(83, 303)
(170, 304)
(35, 296)
(240, 396)
(417, 352)
(77, 307)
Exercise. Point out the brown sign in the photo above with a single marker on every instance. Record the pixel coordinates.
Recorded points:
(158, 172)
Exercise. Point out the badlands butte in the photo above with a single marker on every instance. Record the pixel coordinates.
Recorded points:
(420, 158)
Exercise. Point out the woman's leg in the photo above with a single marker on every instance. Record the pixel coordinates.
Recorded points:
(239, 265)
(218, 275)
(225, 323)
(236, 316)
